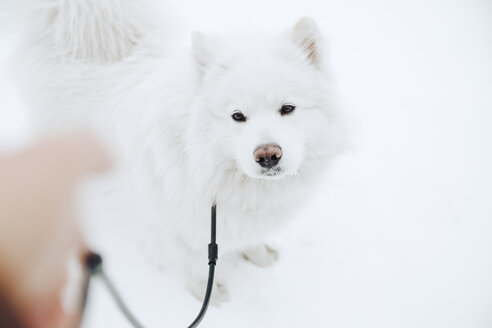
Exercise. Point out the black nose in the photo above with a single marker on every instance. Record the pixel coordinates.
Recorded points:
(268, 155)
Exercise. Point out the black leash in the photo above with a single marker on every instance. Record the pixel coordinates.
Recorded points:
(94, 263)
(212, 261)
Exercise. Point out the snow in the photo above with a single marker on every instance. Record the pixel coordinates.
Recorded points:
(399, 234)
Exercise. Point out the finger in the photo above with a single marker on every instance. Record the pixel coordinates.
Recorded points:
(87, 155)
(78, 154)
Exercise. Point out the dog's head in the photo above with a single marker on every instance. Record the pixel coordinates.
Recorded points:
(265, 104)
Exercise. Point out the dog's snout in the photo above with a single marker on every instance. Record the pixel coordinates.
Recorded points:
(268, 155)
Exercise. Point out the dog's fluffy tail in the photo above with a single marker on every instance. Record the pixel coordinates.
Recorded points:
(87, 30)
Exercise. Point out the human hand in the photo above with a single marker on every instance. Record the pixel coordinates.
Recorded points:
(37, 226)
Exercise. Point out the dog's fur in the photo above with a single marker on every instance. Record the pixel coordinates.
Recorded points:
(117, 67)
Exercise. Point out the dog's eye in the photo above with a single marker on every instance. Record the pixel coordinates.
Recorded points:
(239, 117)
(287, 109)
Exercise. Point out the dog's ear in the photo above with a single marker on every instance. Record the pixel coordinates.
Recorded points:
(307, 35)
(202, 52)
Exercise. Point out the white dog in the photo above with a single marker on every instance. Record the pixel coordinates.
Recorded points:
(247, 122)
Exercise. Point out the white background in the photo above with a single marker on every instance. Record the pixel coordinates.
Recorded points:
(400, 234)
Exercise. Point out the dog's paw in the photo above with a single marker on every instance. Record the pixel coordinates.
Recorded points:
(261, 255)
(219, 296)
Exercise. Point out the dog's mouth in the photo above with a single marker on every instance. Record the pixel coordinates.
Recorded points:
(274, 172)
(267, 173)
